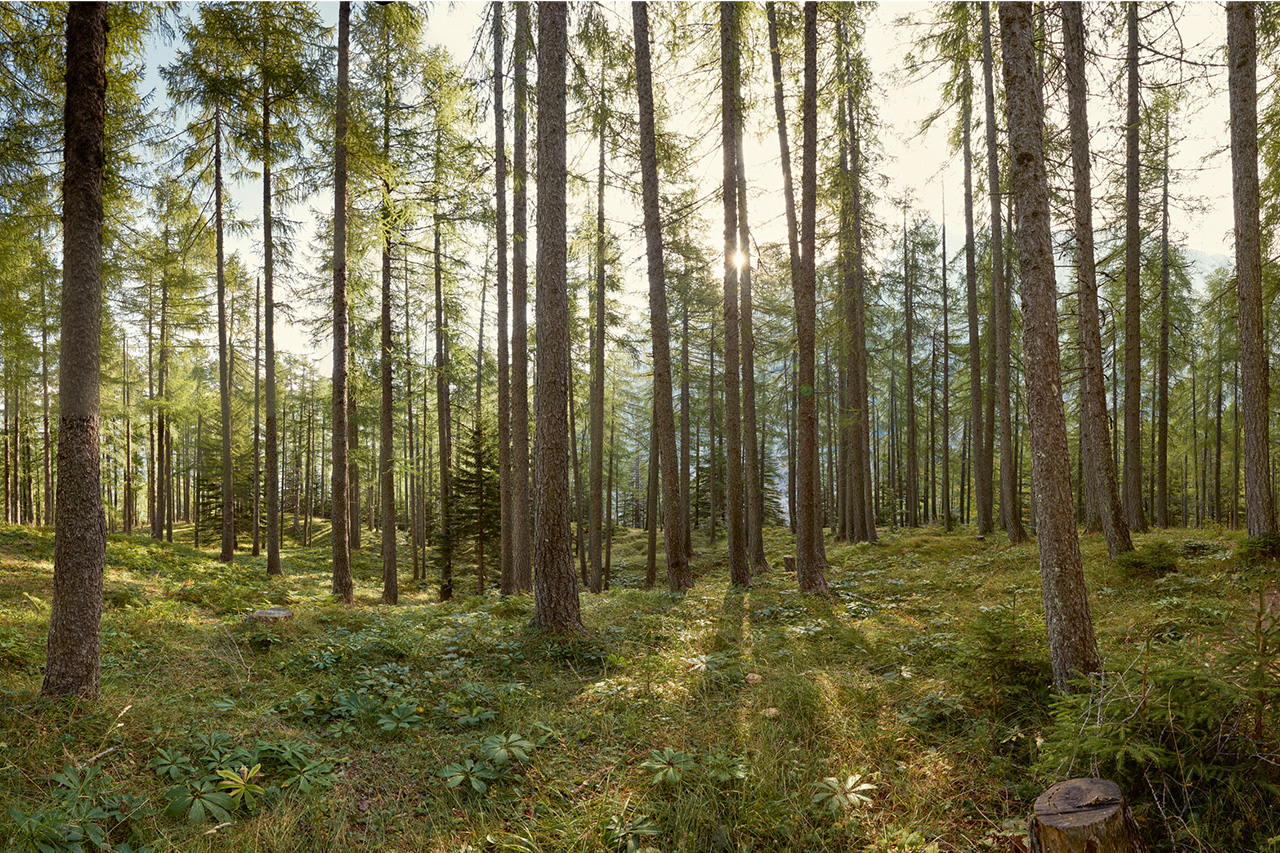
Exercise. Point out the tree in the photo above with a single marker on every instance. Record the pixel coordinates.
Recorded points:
(342, 584)
(556, 606)
(506, 576)
(1260, 517)
(1009, 502)
(739, 570)
(1073, 650)
(1100, 471)
(678, 577)
(521, 546)
(1132, 294)
(80, 537)
(808, 511)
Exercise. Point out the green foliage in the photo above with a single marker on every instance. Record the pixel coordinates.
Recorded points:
(475, 774)
(1259, 549)
(669, 766)
(1153, 560)
(840, 795)
(501, 750)
(197, 801)
(400, 718)
(627, 836)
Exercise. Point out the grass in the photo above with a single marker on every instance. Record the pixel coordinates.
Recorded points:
(707, 721)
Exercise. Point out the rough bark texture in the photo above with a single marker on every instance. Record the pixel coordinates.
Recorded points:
(595, 499)
(678, 576)
(1073, 650)
(1011, 505)
(224, 366)
(735, 521)
(1260, 515)
(386, 424)
(1162, 360)
(981, 471)
(80, 537)
(752, 475)
(1083, 816)
(808, 511)
(556, 606)
(272, 472)
(444, 424)
(506, 575)
(342, 585)
(1132, 298)
(521, 547)
(1098, 462)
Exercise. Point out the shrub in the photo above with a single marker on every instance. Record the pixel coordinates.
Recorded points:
(1153, 560)
(1259, 549)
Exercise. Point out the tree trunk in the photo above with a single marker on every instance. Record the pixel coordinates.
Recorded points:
(735, 522)
(340, 517)
(257, 416)
(444, 425)
(1011, 506)
(1260, 516)
(73, 651)
(1132, 298)
(521, 547)
(981, 473)
(911, 493)
(1081, 815)
(556, 606)
(224, 368)
(1099, 465)
(808, 511)
(506, 575)
(1073, 650)
(675, 494)
(594, 499)
(268, 276)
(386, 427)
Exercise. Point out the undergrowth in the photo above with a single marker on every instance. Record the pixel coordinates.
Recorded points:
(910, 710)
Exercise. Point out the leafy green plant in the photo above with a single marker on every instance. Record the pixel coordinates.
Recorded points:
(839, 795)
(473, 715)
(400, 718)
(308, 777)
(668, 766)
(626, 836)
(476, 774)
(198, 801)
(173, 764)
(723, 769)
(1252, 660)
(242, 785)
(501, 750)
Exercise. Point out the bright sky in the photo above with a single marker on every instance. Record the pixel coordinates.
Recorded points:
(916, 165)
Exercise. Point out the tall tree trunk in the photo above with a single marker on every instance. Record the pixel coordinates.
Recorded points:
(711, 438)
(521, 547)
(594, 499)
(686, 522)
(946, 379)
(911, 493)
(556, 606)
(1260, 515)
(809, 519)
(444, 425)
(981, 494)
(1096, 440)
(479, 445)
(1010, 504)
(353, 465)
(674, 497)
(735, 522)
(80, 538)
(1132, 296)
(224, 366)
(1073, 649)
(1162, 381)
(506, 575)
(752, 475)
(257, 416)
(339, 515)
(268, 291)
(386, 426)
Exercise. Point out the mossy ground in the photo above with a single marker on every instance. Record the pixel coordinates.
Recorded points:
(924, 672)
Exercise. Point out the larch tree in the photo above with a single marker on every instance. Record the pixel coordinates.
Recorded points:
(521, 513)
(1009, 501)
(1132, 477)
(1100, 471)
(73, 663)
(1242, 60)
(678, 576)
(808, 507)
(506, 574)
(556, 605)
(342, 583)
(1073, 649)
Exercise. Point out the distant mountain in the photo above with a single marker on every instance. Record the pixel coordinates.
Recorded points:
(1203, 264)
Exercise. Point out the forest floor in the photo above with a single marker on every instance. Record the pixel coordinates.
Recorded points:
(909, 711)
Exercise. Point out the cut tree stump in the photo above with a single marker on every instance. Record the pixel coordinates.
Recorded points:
(1083, 816)
(271, 614)
(789, 563)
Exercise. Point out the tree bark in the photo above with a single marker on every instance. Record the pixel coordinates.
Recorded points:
(594, 499)
(521, 546)
(981, 495)
(674, 498)
(444, 425)
(342, 584)
(224, 367)
(1260, 516)
(808, 512)
(73, 664)
(386, 425)
(1099, 464)
(1073, 650)
(1132, 297)
(556, 605)
(506, 575)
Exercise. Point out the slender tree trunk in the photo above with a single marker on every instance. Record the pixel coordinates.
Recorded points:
(911, 493)
(686, 522)
(268, 276)
(1260, 514)
(752, 474)
(224, 367)
(257, 416)
(594, 501)
(946, 379)
(675, 493)
(1096, 441)
(735, 522)
(73, 648)
(479, 445)
(339, 515)
(651, 507)
(521, 548)
(809, 519)
(1073, 649)
(981, 494)
(1010, 504)
(386, 424)
(1132, 297)
(579, 543)
(507, 580)
(711, 438)
(556, 606)
(353, 466)
(444, 425)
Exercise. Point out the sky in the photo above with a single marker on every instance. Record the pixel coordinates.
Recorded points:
(916, 165)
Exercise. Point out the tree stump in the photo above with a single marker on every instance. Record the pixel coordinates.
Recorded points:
(789, 563)
(1083, 816)
(271, 614)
